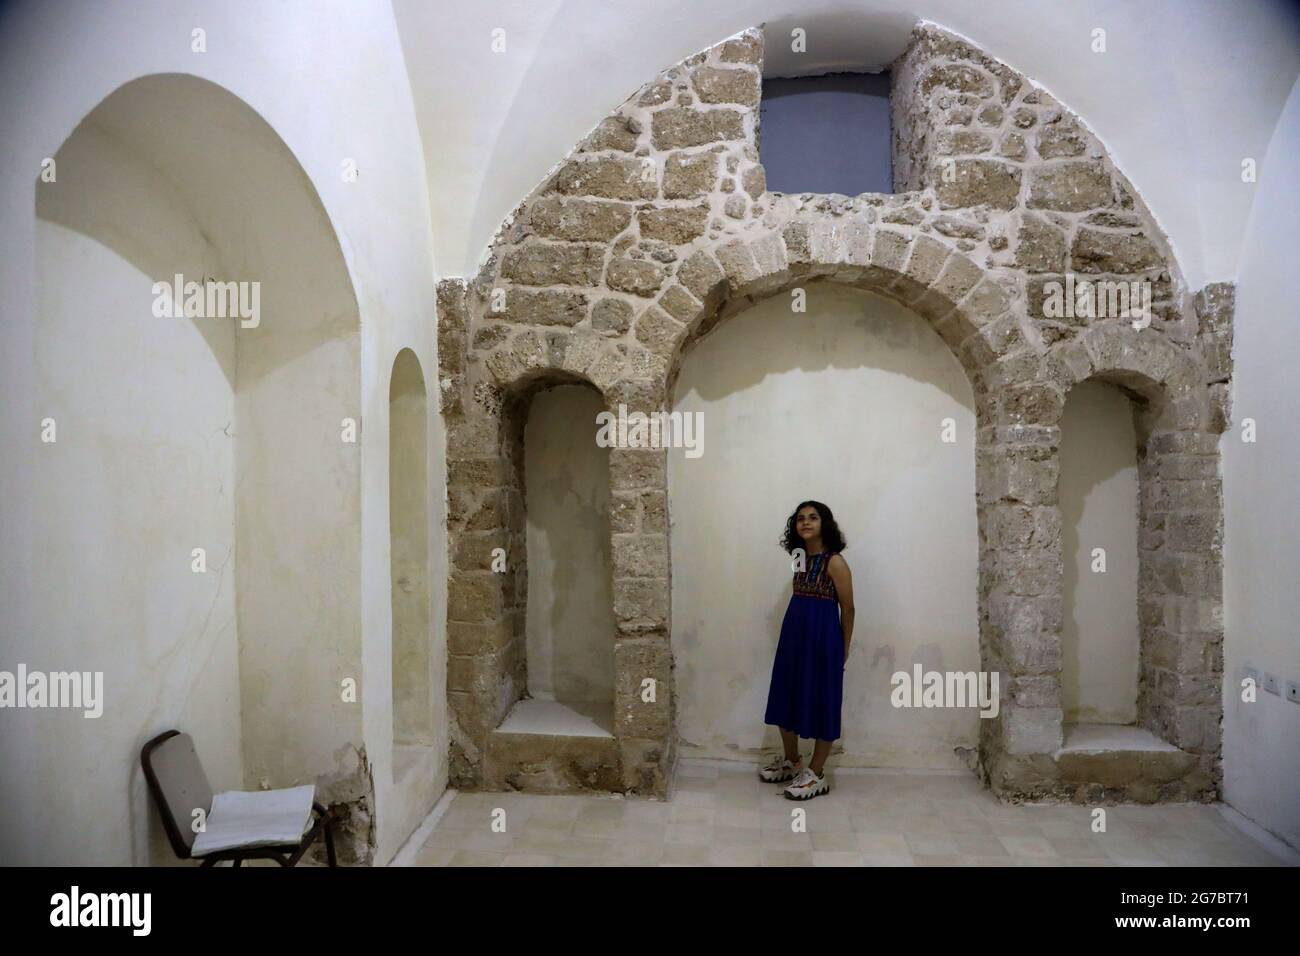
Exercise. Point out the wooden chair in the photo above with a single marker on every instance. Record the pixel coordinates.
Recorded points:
(179, 787)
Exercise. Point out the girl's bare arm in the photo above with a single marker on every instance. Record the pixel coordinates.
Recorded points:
(839, 571)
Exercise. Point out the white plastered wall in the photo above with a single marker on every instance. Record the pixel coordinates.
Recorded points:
(1261, 550)
(57, 63)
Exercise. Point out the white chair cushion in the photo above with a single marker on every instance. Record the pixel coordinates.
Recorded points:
(242, 820)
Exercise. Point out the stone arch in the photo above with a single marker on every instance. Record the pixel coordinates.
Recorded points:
(659, 224)
(956, 297)
(1180, 553)
(223, 430)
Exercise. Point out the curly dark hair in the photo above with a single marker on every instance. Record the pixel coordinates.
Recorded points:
(832, 538)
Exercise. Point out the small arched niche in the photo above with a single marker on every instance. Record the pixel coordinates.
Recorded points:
(408, 523)
(1098, 496)
(568, 618)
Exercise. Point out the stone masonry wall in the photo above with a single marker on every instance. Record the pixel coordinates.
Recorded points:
(659, 225)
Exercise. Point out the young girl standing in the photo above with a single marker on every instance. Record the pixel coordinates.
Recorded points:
(807, 686)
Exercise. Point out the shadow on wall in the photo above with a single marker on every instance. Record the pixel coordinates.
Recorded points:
(201, 499)
(901, 348)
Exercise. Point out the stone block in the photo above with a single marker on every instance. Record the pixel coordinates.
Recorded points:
(678, 127)
(1113, 252)
(726, 85)
(673, 224)
(548, 263)
(634, 276)
(977, 182)
(1069, 187)
(614, 177)
(549, 307)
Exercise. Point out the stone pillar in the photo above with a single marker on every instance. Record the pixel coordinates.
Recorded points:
(643, 684)
(1181, 595)
(1022, 601)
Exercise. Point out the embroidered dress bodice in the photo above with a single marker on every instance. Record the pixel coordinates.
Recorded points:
(815, 580)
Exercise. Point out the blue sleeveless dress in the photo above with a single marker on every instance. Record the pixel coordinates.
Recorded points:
(808, 674)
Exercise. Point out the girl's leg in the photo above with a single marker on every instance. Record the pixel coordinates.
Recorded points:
(821, 750)
(790, 741)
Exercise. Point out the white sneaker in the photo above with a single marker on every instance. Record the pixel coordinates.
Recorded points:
(779, 770)
(807, 785)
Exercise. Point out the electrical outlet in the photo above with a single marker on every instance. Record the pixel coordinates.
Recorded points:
(1270, 683)
(1293, 691)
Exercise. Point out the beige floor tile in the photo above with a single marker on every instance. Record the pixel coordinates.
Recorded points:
(434, 856)
(602, 810)
(1078, 848)
(846, 841)
(732, 817)
(700, 834)
(968, 825)
(682, 854)
(836, 858)
(635, 853)
(887, 859)
(980, 845)
(476, 858)
(939, 859)
(728, 818)
(1029, 847)
(540, 825)
(773, 857)
(735, 856)
(597, 829)
(883, 844)
(643, 831)
(695, 798)
(931, 844)
(648, 811)
(737, 836)
(690, 814)
(785, 841)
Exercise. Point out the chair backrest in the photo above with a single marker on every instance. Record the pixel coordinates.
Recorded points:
(178, 784)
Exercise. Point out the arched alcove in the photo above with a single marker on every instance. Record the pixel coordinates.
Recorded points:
(858, 403)
(569, 623)
(408, 522)
(1099, 532)
(203, 499)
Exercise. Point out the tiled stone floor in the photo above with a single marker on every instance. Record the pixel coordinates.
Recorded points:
(727, 817)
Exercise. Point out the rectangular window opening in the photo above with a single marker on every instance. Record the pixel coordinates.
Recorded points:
(827, 134)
